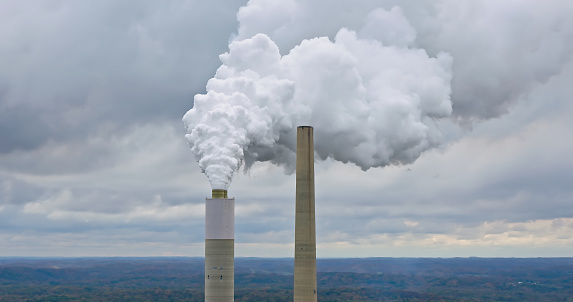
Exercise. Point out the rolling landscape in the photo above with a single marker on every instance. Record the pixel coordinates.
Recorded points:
(271, 279)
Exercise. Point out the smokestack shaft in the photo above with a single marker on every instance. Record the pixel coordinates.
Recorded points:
(219, 247)
(305, 235)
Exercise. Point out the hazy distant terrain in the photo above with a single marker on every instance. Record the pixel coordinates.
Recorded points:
(263, 279)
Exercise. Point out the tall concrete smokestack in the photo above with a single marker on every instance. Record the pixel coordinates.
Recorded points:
(219, 247)
(305, 235)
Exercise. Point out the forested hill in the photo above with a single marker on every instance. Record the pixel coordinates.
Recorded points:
(263, 279)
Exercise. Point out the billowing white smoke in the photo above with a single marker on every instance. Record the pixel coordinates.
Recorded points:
(371, 104)
(502, 50)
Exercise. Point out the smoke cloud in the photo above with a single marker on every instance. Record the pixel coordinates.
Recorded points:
(373, 99)
(502, 50)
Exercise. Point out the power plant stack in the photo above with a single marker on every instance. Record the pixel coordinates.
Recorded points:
(305, 235)
(219, 247)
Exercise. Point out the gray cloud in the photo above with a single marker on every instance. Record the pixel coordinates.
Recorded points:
(71, 70)
(93, 159)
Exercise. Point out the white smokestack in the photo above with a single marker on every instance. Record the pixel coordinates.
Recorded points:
(219, 247)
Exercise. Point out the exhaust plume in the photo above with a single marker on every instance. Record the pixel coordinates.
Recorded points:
(371, 104)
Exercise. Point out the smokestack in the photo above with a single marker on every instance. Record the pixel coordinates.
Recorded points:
(305, 235)
(219, 247)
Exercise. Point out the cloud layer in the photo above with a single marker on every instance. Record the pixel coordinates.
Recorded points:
(93, 159)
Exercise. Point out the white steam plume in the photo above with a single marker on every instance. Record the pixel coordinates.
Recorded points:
(502, 50)
(372, 104)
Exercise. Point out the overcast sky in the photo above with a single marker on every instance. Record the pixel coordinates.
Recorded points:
(93, 159)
